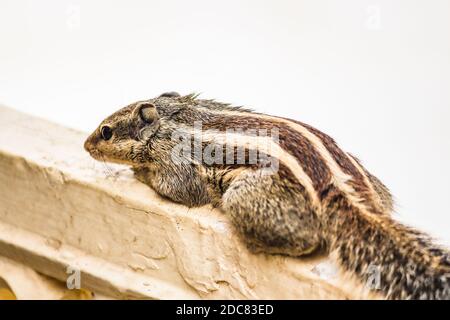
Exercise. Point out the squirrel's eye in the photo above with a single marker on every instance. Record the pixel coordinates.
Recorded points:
(106, 133)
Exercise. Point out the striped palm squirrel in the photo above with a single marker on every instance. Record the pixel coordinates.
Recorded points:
(288, 193)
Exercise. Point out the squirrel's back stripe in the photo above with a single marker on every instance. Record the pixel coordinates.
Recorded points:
(354, 183)
(265, 145)
(361, 181)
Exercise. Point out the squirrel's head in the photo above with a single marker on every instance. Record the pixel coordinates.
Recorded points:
(126, 135)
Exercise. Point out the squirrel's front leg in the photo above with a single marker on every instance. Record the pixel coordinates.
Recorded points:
(180, 183)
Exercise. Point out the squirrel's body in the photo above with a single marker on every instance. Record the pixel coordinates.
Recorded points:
(316, 195)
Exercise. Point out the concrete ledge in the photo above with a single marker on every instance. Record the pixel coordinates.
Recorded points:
(60, 208)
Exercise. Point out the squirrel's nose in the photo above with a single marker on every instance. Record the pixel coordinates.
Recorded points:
(91, 142)
(87, 145)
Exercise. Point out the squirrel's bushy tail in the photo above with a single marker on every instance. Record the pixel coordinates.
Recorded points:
(400, 261)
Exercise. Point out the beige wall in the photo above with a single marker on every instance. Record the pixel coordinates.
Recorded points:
(374, 74)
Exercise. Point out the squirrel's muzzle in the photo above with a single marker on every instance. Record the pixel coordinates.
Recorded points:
(91, 143)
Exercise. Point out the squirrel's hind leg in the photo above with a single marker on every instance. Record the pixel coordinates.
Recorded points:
(271, 214)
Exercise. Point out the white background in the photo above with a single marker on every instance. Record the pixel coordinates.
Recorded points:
(373, 74)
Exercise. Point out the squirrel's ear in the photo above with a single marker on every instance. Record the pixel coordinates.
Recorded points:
(171, 94)
(147, 112)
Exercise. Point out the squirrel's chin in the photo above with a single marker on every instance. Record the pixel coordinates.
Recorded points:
(115, 161)
(97, 155)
